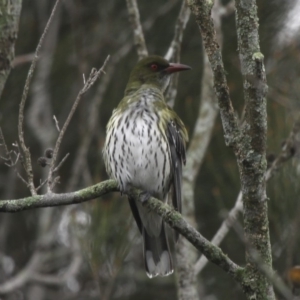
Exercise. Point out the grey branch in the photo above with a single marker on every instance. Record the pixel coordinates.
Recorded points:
(184, 16)
(202, 12)
(51, 199)
(139, 39)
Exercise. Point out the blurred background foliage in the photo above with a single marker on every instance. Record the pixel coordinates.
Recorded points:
(98, 238)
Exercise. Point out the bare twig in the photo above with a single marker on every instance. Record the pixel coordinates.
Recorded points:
(94, 75)
(41, 184)
(56, 123)
(27, 156)
(22, 59)
(39, 112)
(61, 163)
(139, 39)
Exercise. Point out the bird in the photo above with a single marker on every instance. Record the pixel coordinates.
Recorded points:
(145, 148)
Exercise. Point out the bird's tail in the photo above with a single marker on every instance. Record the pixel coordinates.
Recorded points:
(157, 254)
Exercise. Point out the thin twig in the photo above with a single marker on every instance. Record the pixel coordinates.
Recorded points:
(61, 163)
(41, 184)
(56, 123)
(22, 59)
(94, 75)
(27, 156)
(139, 39)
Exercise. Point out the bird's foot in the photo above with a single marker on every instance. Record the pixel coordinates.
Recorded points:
(144, 196)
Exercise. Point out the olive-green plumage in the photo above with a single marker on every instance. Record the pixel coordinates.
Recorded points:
(145, 148)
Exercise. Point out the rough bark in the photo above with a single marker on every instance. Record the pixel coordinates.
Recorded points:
(252, 162)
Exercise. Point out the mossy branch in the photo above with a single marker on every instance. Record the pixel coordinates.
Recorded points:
(169, 215)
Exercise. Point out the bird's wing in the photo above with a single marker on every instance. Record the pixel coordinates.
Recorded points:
(136, 214)
(177, 137)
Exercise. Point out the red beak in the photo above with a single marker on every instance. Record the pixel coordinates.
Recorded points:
(172, 68)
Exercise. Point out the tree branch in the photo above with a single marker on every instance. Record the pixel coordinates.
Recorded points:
(169, 215)
(51, 199)
(202, 11)
(134, 17)
(252, 157)
(27, 156)
(183, 18)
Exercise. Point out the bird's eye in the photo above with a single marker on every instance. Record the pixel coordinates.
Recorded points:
(154, 67)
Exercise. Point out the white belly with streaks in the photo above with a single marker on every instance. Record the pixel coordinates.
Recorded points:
(137, 154)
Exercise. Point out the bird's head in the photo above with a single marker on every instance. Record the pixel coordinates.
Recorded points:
(153, 71)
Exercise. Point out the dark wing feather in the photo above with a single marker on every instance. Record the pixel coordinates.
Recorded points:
(135, 213)
(177, 148)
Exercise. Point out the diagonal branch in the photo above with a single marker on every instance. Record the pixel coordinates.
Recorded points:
(27, 156)
(139, 39)
(183, 18)
(202, 11)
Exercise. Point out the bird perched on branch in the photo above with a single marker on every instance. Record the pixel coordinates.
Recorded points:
(145, 149)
